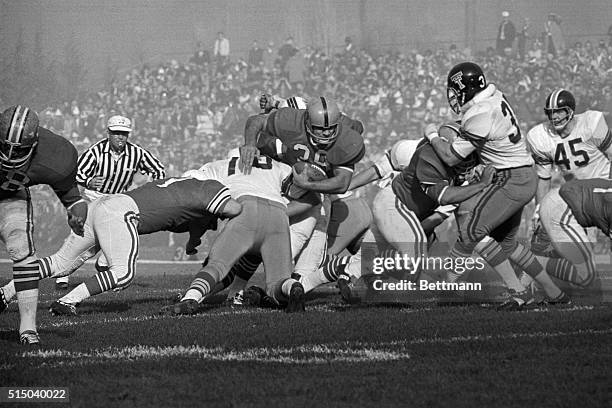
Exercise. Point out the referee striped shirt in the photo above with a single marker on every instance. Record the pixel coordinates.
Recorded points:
(118, 170)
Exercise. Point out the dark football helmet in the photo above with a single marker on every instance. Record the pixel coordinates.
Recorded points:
(560, 100)
(18, 136)
(322, 122)
(464, 81)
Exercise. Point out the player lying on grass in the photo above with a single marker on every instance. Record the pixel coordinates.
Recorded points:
(114, 223)
(262, 229)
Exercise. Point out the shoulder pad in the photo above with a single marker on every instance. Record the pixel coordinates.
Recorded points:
(348, 149)
(477, 120)
(286, 124)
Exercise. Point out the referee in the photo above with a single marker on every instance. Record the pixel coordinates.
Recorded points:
(109, 166)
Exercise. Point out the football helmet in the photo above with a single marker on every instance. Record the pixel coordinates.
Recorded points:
(18, 136)
(322, 122)
(560, 100)
(464, 81)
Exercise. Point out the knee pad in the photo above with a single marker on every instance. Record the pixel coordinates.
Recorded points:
(19, 246)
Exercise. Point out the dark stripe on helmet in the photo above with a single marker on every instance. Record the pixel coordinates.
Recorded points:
(18, 122)
(326, 115)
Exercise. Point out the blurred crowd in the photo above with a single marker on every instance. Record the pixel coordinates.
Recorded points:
(188, 113)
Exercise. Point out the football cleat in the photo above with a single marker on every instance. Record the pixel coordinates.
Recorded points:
(345, 285)
(3, 302)
(238, 299)
(562, 299)
(29, 338)
(59, 308)
(517, 301)
(256, 296)
(296, 299)
(186, 307)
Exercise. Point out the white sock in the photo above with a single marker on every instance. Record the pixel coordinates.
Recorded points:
(507, 273)
(193, 294)
(286, 287)
(76, 295)
(28, 302)
(313, 279)
(525, 279)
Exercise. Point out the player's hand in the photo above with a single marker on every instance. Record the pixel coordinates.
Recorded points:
(266, 102)
(431, 131)
(301, 179)
(95, 183)
(77, 215)
(487, 176)
(191, 247)
(247, 155)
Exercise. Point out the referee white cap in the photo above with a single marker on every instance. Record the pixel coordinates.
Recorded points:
(119, 123)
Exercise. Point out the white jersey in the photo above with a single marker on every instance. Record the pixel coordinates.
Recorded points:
(265, 180)
(580, 154)
(490, 127)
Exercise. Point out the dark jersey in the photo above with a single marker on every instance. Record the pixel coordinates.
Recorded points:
(288, 126)
(54, 163)
(169, 204)
(590, 201)
(421, 183)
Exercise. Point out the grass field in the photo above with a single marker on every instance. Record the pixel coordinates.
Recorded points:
(119, 351)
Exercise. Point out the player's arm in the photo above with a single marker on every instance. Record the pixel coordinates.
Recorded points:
(197, 228)
(364, 177)
(67, 190)
(255, 124)
(445, 150)
(444, 194)
(86, 166)
(338, 184)
(475, 128)
(382, 168)
(430, 223)
(544, 186)
(303, 204)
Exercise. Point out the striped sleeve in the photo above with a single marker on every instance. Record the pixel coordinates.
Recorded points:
(220, 198)
(86, 165)
(151, 165)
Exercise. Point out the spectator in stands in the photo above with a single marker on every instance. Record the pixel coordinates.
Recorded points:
(505, 34)
(286, 51)
(201, 56)
(221, 50)
(523, 36)
(555, 42)
(255, 54)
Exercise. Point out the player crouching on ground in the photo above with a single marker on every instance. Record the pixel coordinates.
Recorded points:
(114, 223)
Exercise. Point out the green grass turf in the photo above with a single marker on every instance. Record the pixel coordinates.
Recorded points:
(119, 351)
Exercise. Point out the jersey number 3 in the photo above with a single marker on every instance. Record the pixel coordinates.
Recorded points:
(506, 110)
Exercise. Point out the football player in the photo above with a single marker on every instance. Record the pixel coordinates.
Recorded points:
(579, 146)
(262, 230)
(321, 135)
(31, 155)
(349, 219)
(114, 223)
(490, 220)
